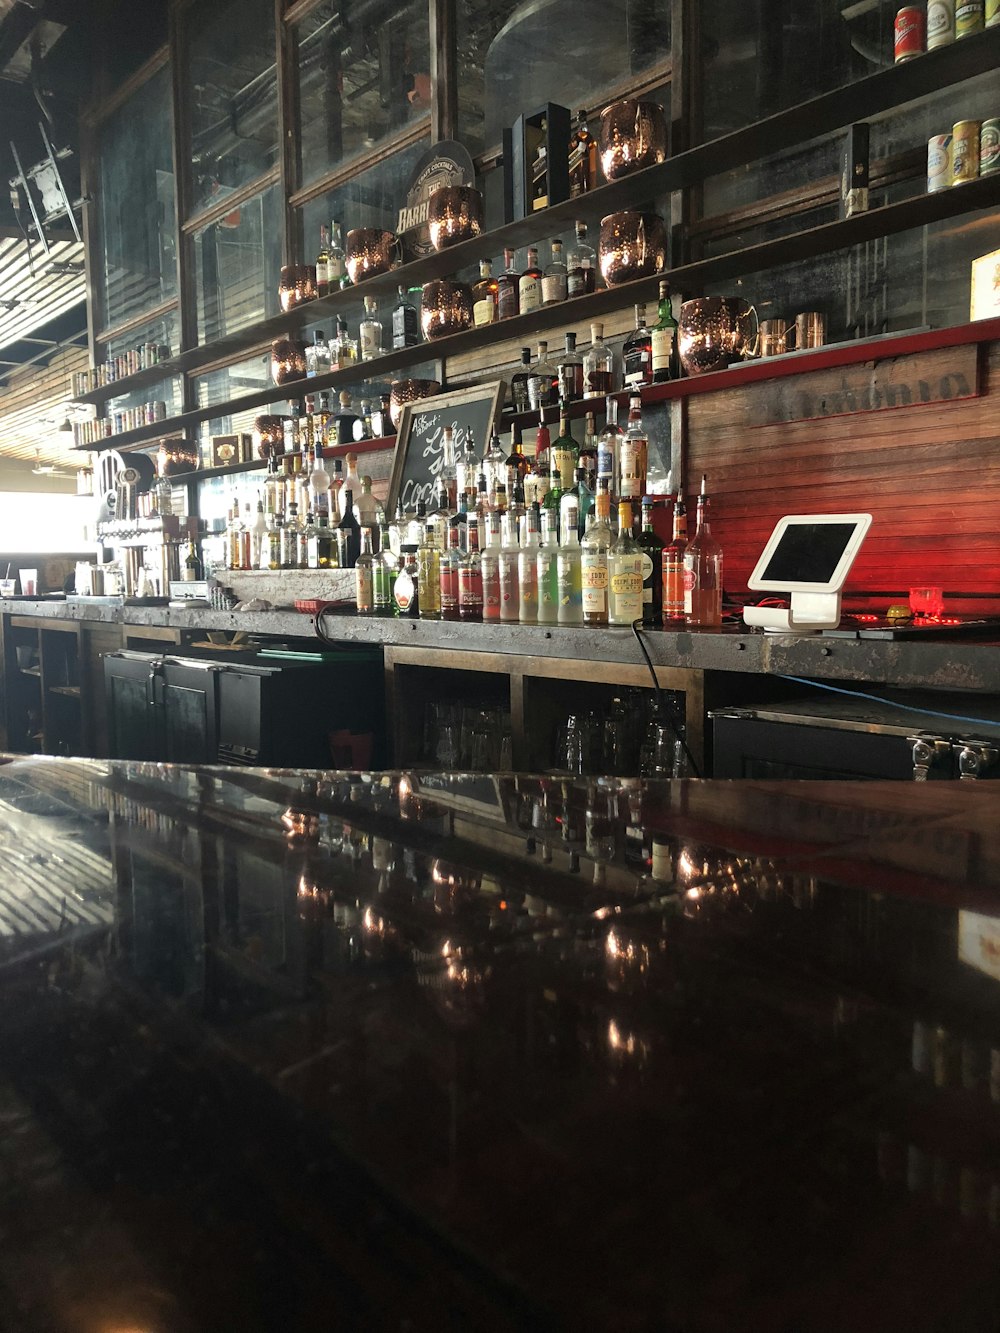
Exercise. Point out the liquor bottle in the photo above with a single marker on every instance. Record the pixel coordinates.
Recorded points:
(406, 587)
(274, 544)
(563, 453)
(352, 481)
(470, 577)
(345, 422)
(543, 382)
(568, 573)
(348, 533)
(383, 574)
(519, 382)
(467, 471)
(484, 296)
(482, 508)
(539, 172)
(587, 458)
(633, 454)
(517, 465)
(321, 547)
(370, 331)
(527, 567)
(368, 512)
(529, 285)
(336, 263)
(347, 348)
(290, 538)
(192, 566)
(554, 489)
(594, 547)
(625, 564)
(609, 445)
(580, 495)
(319, 482)
(652, 566)
(495, 467)
(554, 277)
(364, 577)
(569, 372)
(448, 576)
(540, 472)
(703, 570)
(321, 424)
(382, 419)
(405, 322)
(547, 570)
(508, 303)
(258, 536)
(336, 486)
(581, 265)
(323, 262)
(636, 354)
(582, 158)
(490, 568)
(517, 509)
(510, 600)
(429, 574)
(666, 360)
(317, 356)
(598, 366)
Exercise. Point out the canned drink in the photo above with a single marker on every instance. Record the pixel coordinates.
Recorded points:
(992, 13)
(968, 17)
(989, 147)
(940, 23)
(964, 152)
(938, 163)
(909, 33)
(159, 410)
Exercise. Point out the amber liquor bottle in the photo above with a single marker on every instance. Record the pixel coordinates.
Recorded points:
(508, 301)
(673, 567)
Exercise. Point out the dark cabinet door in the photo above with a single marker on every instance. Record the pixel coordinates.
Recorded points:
(162, 710)
(131, 721)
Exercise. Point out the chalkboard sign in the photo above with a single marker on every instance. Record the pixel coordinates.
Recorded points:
(420, 439)
(474, 793)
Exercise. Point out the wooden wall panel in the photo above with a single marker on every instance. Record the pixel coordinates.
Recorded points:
(928, 473)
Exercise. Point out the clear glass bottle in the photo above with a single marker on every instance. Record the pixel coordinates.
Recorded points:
(529, 286)
(569, 574)
(519, 383)
(307, 533)
(527, 567)
(543, 382)
(370, 331)
(405, 321)
(547, 570)
(406, 586)
(384, 575)
(258, 536)
(274, 493)
(319, 482)
(703, 570)
(290, 538)
(652, 566)
(609, 445)
(321, 545)
(484, 296)
(582, 496)
(637, 364)
(625, 561)
(598, 366)
(495, 467)
(490, 567)
(429, 573)
(323, 262)
(581, 265)
(594, 547)
(274, 544)
(517, 465)
(569, 372)
(554, 277)
(337, 263)
(633, 455)
(663, 340)
(368, 511)
(563, 453)
(364, 577)
(510, 600)
(508, 283)
(347, 348)
(588, 453)
(673, 566)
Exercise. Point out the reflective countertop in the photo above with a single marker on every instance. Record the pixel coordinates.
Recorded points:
(296, 1051)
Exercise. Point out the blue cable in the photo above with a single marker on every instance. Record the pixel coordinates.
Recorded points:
(891, 703)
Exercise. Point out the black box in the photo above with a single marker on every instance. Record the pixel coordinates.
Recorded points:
(526, 192)
(854, 184)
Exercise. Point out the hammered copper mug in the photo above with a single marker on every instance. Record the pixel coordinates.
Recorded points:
(445, 307)
(409, 391)
(454, 214)
(633, 135)
(632, 245)
(714, 331)
(369, 252)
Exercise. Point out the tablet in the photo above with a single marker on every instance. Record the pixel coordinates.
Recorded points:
(807, 558)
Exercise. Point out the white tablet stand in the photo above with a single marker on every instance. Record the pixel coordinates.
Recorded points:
(807, 558)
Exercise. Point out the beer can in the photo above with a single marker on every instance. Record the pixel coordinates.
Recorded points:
(938, 163)
(992, 13)
(940, 23)
(964, 152)
(968, 17)
(159, 410)
(909, 30)
(989, 147)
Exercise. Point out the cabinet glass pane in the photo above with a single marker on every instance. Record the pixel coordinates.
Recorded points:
(360, 81)
(516, 57)
(163, 331)
(371, 199)
(232, 96)
(136, 252)
(238, 265)
(221, 386)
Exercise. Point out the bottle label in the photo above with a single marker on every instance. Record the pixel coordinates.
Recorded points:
(364, 589)
(335, 268)
(484, 312)
(553, 288)
(369, 341)
(663, 349)
(605, 461)
(403, 591)
(637, 366)
(594, 576)
(689, 582)
(647, 579)
(530, 290)
(322, 274)
(627, 584)
(566, 463)
(632, 461)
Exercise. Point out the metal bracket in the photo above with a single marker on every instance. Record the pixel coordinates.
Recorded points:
(974, 758)
(927, 751)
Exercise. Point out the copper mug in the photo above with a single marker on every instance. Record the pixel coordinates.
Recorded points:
(774, 337)
(297, 285)
(269, 436)
(454, 214)
(810, 329)
(445, 307)
(369, 252)
(632, 245)
(409, 391)
(288, 360)
(633, 135)
(714, 331)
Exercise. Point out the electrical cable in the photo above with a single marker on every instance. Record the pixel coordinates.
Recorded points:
(662, 711)
(891, 703)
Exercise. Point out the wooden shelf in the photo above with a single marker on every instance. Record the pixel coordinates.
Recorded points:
(256, 465)
(35, 671)
(888, 220)
(66, 691)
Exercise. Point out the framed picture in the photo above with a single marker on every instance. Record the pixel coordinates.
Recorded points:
(986, 286)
